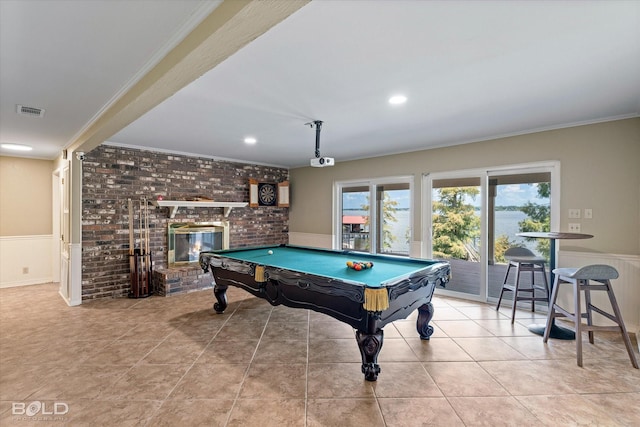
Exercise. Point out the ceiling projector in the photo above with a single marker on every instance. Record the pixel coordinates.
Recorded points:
(321, 162)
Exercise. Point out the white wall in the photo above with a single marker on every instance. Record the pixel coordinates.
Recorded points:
(33, 253)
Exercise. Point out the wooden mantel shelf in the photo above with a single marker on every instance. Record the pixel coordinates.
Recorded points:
(173, 205)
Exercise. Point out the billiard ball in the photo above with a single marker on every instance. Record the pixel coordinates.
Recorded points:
(270, 252)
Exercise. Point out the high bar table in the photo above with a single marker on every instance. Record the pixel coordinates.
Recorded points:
(557, 332)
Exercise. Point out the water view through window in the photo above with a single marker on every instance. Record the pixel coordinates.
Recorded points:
(391, 230)
(515, 203)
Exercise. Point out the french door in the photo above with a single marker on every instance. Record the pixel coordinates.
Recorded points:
(456, 230)
(517, 201)
(472, 217)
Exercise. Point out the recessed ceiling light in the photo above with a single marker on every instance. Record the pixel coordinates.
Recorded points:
(16, 147)
(397, 99)
(250, 140)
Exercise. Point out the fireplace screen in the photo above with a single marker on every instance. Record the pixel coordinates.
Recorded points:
(187, 240)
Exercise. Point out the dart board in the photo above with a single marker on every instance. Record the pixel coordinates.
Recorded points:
(267, 194)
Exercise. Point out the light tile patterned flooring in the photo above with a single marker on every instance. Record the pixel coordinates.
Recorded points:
(173, 362)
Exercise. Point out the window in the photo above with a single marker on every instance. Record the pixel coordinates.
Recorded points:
(382, 227)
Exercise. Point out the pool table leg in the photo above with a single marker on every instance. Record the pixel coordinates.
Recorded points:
(220, 292)
(370, 345)
(425, 314)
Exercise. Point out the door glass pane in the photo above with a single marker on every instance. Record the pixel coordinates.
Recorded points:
(394, 231)
(455, 225)
(355, 218)
(517, 203)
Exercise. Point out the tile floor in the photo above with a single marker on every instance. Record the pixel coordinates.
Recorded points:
(173, 362)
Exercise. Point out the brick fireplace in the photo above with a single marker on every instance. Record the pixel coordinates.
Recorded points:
(112, 175)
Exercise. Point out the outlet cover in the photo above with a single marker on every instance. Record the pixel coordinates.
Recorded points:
(574, 227)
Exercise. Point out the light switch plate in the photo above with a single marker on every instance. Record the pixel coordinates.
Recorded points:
(574, 213)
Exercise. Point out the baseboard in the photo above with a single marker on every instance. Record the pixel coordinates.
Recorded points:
(30, 282)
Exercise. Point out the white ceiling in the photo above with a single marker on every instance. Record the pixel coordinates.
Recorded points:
(472, 70)
(74, 58)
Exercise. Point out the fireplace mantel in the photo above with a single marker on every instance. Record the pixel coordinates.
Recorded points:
(174, 205)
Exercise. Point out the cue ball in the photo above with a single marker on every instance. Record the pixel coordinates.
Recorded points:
(270, 252)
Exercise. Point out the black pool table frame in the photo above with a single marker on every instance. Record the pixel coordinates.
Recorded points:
(339, 299)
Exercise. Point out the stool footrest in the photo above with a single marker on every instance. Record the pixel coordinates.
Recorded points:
(562, 312)
(604, 313)
(586, 328)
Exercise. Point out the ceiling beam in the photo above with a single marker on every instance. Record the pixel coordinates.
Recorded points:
(229, 27)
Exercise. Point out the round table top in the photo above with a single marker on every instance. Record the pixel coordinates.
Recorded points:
(554, 235)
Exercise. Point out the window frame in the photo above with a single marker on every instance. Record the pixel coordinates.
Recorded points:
(372, 184)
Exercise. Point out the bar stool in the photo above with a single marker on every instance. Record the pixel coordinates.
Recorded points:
(524, 260)
(580, 280)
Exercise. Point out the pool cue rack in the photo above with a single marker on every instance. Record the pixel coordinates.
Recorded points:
(140, 261)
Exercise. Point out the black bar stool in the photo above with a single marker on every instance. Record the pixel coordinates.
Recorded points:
(580, 280)
(524, 261)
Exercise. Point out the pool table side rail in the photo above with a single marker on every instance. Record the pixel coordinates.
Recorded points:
(422, 264)
(436, 273)
(311, 282)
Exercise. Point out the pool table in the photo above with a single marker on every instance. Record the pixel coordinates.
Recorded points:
(320, 280)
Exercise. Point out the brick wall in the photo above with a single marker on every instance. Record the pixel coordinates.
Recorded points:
(112, 175)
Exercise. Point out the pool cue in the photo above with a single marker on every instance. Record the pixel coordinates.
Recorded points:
(140, 225)
(130, 228)
(132, 261)
(143, 275)
(146, 225)
(147, 257)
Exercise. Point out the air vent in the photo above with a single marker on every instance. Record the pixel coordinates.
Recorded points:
(30, 111)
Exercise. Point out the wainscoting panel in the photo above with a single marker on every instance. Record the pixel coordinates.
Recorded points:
(324, 241)
(25, 260)
(626, 287)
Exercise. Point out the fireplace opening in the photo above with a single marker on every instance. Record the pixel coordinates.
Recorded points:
(187, 240)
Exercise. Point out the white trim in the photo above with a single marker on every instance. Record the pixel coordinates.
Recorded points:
(425, 220)
(551, 166)
(30, 237)
(75, 274)
(372, 184)
(63, 290)
(415, 248)
(18, 283)
(56, 204)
